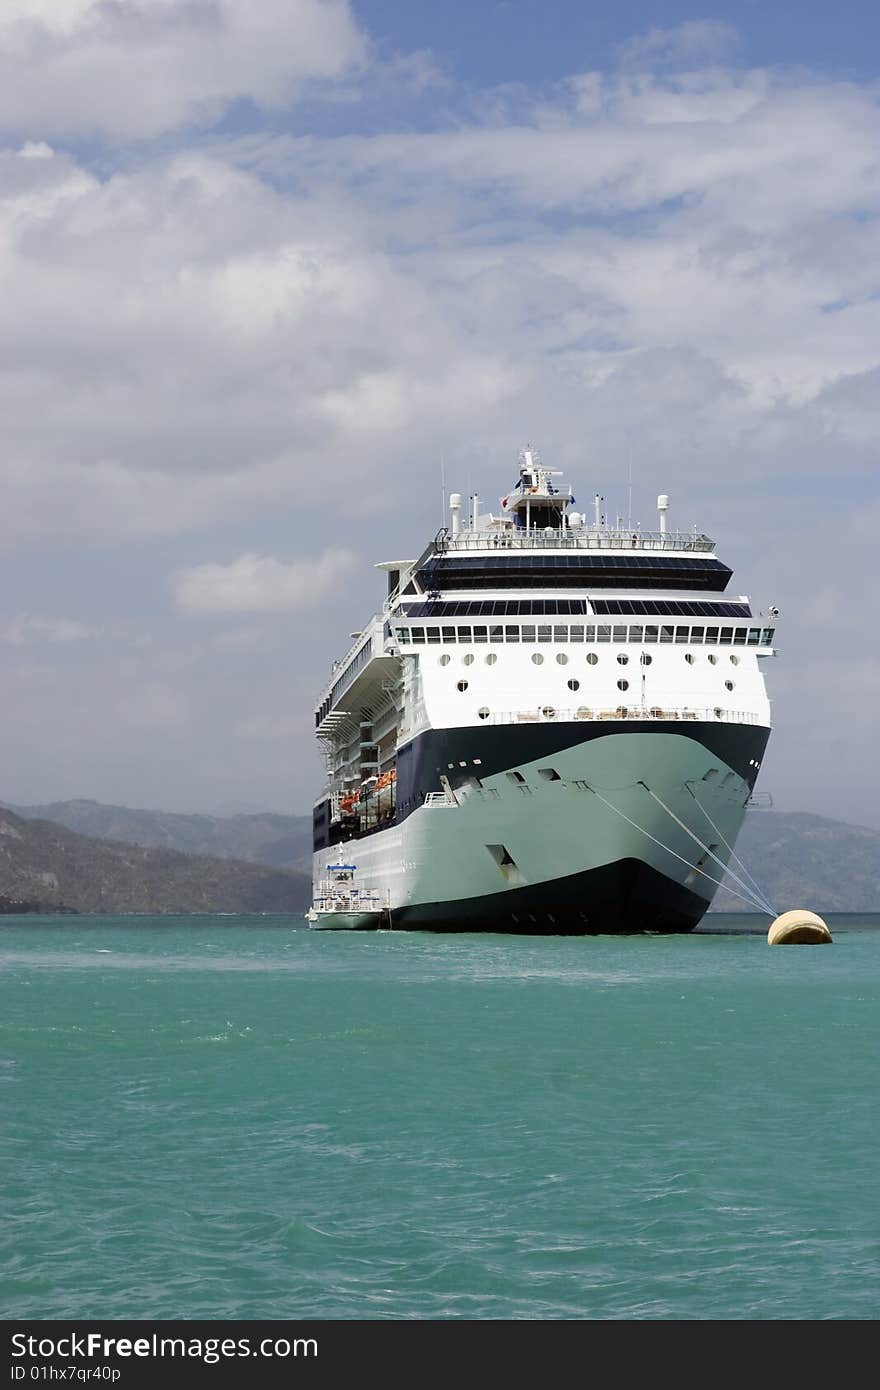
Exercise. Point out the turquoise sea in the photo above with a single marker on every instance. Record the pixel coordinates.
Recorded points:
(233, 1117)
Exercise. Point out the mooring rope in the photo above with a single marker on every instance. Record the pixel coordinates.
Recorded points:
(751, 900)
(761, 901)
(730, 848)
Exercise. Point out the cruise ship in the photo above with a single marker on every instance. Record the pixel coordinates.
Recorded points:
(553, 725)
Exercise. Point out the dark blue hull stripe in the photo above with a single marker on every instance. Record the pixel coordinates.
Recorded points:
(627, 896)
(505, 747)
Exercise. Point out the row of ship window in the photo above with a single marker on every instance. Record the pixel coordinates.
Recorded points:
(558, 632)
(585, 632)
(573, 684)
(592, 658)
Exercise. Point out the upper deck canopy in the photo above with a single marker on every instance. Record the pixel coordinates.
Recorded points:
(583, 569)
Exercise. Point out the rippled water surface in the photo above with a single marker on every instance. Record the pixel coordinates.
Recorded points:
(238, 1118)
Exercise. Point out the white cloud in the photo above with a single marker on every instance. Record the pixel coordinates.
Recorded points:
(752, 145)
(190, 340)
(186, 344)
(285, 339)
(26, 628)
(261, 584)
(696, 39)
(137, 68)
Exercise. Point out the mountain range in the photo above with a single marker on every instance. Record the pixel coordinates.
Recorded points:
(282, 842)
(89, 857)
(803, 860)
(44, 867)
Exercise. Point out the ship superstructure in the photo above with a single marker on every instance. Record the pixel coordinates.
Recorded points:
(554, 724)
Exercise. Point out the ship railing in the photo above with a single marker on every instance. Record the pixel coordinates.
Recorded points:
(760, 801)
(606, 538)
(369, 641)
(549, 714)
(438, 799)
(366, 898)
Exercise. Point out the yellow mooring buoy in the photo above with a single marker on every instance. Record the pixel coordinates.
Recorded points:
(798, 928)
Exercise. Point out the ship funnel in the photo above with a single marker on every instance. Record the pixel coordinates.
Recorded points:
(455, 508)
(663, 508)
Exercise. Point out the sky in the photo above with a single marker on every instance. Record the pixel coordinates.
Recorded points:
(271, 273)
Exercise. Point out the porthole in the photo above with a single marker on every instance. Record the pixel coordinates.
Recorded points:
(562, 658)
(689, 658)
(573, 685)
(713, 660)
(728, 685)
(537, 658)
(491, 658)
(592, 658)
(444, 660)
(646, 658)
(622, 658)
(623, 685)
(462, 685)
(734, 660)
(483, 712)
(468, 659)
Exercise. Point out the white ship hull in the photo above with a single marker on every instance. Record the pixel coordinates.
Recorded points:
(346, 921)
(588, 841)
